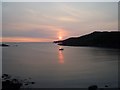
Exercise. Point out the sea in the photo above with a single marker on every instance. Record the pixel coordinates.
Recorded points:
(73, 67)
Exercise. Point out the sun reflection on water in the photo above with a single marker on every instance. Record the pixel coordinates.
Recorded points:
(61, 57)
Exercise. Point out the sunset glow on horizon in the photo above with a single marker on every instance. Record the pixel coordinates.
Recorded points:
(23, 39)
(46, 22)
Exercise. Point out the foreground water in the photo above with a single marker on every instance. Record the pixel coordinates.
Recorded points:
(74, 67)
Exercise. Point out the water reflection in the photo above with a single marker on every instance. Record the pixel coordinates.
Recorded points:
(60, 55)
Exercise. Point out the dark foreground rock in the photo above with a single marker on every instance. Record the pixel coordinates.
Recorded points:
(11, 83)
(95, 39)
(93, 87)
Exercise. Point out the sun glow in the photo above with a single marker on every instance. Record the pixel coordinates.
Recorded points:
(60, 38)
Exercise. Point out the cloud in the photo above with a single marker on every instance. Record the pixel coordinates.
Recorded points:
(67, 19)
(51, 20)
(33, 30)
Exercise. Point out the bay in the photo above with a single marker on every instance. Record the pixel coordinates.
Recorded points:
(74, 67)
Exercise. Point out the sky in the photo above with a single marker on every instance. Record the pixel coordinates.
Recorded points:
(49, 21)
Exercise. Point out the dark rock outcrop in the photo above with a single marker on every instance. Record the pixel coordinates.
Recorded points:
(11, 83)
(93, 87)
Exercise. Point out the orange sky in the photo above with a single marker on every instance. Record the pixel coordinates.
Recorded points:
(46, 22)
(23, 39)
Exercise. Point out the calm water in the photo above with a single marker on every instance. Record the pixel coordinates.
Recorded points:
(75, 67)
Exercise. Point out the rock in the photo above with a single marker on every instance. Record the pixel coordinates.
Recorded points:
(93, 87)
(4, 45)
(106, 85)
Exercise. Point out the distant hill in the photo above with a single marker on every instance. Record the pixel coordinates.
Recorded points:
(95, 39)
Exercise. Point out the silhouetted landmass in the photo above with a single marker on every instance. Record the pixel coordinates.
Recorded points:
(4, 45)
(95, 39)
(10, 83)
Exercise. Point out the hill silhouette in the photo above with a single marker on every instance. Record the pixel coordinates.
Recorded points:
(94, 39)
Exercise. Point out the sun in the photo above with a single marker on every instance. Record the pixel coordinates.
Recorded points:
(60, 37)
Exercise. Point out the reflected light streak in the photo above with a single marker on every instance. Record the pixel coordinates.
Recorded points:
(61, 57)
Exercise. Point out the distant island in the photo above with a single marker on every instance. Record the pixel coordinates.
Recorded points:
(4, 45)
(95, 39)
